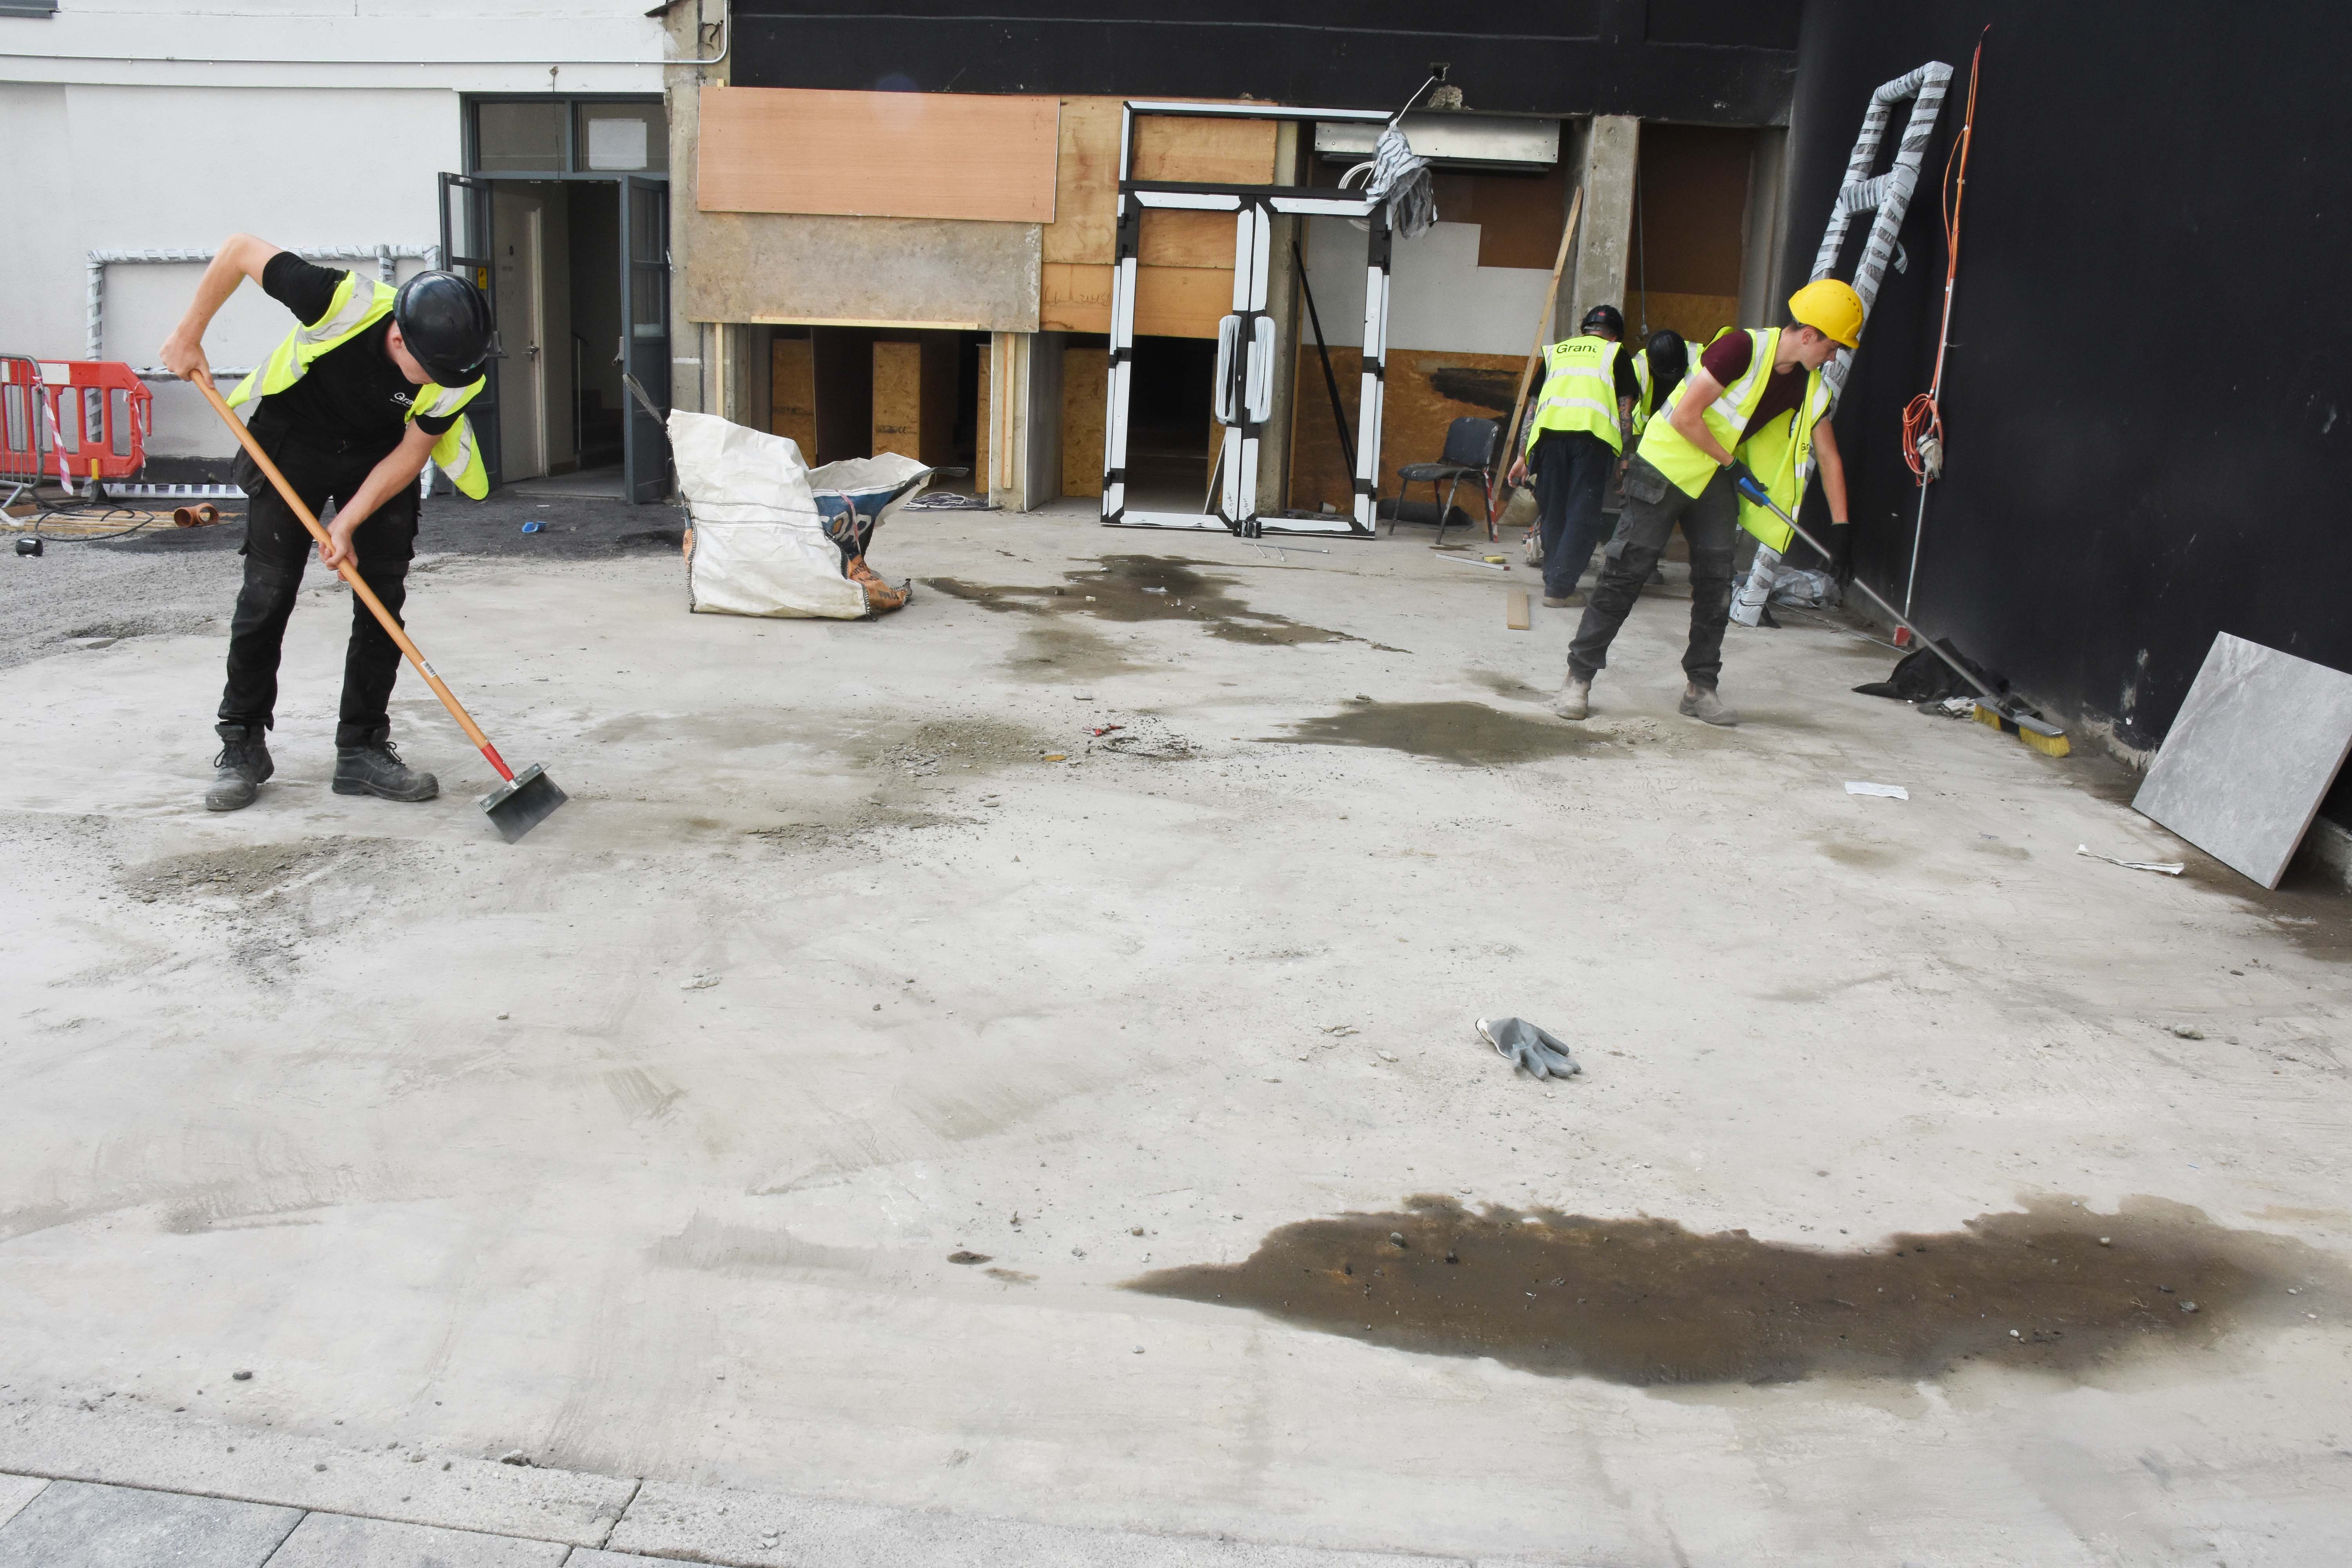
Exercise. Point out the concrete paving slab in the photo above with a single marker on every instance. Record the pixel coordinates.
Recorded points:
(119, 1441)
(706, 1524)
(16, 1492)
(74, 1525)
(337, 1541)
(831, 977)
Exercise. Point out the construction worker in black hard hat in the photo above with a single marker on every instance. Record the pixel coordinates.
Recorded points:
(1575, 435)
(369, 387)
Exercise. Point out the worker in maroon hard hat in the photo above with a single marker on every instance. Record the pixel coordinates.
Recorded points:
(369, 386)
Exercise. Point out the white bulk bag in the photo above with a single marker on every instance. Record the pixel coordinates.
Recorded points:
(759, 546)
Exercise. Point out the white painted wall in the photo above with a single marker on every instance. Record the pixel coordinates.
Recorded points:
(295, 120)
(1439, 297)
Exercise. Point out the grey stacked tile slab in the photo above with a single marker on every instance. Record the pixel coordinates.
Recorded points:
(339, 1540)
(16, 1492)
(77, 1525)
(2249, 756)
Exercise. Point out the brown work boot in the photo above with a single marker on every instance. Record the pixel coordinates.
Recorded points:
(1701, 703)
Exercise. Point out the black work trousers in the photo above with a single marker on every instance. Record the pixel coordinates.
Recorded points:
(1572, 470)
(1655, 505)
(278, 547)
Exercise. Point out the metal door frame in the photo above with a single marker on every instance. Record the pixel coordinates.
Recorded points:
(1247, 349)
(645, 447)
(482, 413)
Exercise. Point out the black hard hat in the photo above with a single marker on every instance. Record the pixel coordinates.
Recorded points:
(1668, 350)
(445, 324)
(1605, 316)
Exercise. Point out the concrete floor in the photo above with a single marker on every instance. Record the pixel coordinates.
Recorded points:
(647, 1146)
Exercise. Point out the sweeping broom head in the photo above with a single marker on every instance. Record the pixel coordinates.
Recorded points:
(517, 808)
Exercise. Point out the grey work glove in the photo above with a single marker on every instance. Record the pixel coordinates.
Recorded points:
(1529, 1047)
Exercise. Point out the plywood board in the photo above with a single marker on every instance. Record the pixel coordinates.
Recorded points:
(1181, 302)
(1206, 152)
(1170, 301)
(1173, 238)
(792, 395)
(914, 398)
(877, 154)
(1086, 387)
(2250, 755)
(1085, 185)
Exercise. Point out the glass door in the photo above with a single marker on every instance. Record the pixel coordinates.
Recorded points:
(645, 336)
(465, 250)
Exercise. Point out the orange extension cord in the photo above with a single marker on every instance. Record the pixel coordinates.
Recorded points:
(1923, 421)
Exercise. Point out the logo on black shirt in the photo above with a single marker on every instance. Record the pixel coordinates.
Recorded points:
(403, 399)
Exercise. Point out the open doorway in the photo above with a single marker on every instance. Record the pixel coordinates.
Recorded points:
(1172, 430)
(561, 217)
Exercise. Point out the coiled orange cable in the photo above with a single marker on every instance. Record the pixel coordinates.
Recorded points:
(1923, 420)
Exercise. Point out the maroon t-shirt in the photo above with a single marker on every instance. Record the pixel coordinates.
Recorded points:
(1726, 359)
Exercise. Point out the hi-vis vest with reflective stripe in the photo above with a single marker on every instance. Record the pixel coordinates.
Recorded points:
(360, 303)
(1781, 453)
(1580, 390)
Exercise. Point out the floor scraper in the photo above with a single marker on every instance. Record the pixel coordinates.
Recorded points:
(2007, 714)
(527, 798)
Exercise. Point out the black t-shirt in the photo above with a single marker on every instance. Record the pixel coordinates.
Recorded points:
(353, 398)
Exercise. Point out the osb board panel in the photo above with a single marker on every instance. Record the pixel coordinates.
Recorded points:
(1170, 301)
(778, 267)
(1697, 317)
(914, 399)
(1427, 390)
(877, 154)
(791, 397)
(1086, 388)
(1086, 176)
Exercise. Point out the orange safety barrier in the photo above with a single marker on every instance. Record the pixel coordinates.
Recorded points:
(77, 419)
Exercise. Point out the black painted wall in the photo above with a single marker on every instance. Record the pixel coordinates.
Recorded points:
(2147, 403)
(1722, 62)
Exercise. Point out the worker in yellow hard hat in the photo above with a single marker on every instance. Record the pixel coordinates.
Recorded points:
(1753, 405)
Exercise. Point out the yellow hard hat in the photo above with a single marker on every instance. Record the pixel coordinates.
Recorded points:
(1831, 308)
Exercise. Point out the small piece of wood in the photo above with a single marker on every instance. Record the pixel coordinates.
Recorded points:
(1514, 610)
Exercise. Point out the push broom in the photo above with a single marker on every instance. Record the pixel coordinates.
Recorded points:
(2006, 714)
(527, 798)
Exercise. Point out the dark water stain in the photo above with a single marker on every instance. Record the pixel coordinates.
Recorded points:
(1643, 1301)
(1132, 588)
(1468, 733)
(1510, 686)
(1051, 651)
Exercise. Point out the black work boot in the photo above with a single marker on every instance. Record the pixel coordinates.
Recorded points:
(244, 764)
(375, 768)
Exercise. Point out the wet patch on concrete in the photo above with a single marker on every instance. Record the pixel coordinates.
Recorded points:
(1862, 857)
(1470, 733)
(1509, 686)
(2053, 1288)
(1137, 588)
(1051, 651)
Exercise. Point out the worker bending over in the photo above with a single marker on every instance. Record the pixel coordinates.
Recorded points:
(1743, 410)
(1576, 433)
(366, 389)
(1659, 367)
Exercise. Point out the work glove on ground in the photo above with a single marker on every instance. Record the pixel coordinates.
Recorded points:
(1529, 1047)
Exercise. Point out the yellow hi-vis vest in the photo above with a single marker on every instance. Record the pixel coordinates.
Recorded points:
(1781, 453)
(1647, 382)
(1580, 390)
(360, 303)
